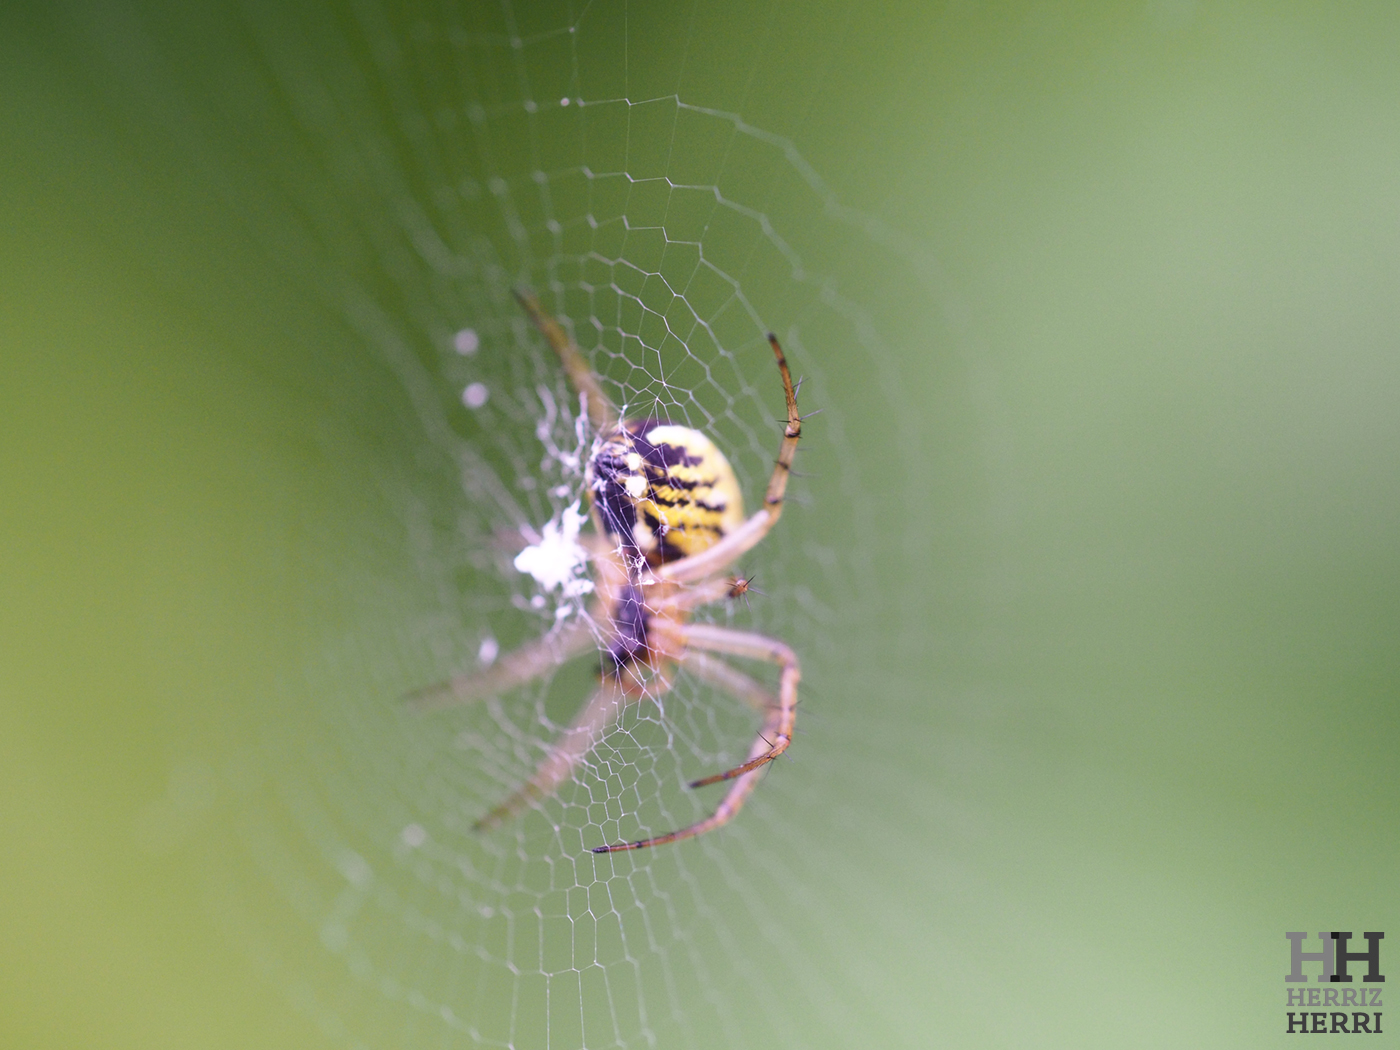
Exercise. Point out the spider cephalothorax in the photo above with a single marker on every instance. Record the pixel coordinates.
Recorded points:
(669, 518)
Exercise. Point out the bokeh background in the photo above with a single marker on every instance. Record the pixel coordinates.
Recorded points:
(1094, 569)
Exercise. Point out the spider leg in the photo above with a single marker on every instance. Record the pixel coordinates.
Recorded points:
(772, 740)
(744, 538)
(726, 811)
(601, 411)
(683, 601)
(530, 661)
(601, 711)
(754, 647)
(730, 680)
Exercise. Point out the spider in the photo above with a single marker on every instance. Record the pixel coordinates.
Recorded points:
(668, 519)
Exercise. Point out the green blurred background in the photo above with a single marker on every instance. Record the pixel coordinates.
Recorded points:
(1107, 487)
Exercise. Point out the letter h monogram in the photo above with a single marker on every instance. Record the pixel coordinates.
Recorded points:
(1372, 955)
(1326, 957)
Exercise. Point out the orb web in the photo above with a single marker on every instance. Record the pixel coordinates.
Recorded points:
(445, 158)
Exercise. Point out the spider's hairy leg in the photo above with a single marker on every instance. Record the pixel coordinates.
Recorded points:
(532, 660)
(602, 413)
(787, 451)
(726, 811)
(682, 601)
(728, 807)
(772, 740)
(726, 679)
(755, 647)
(721, 555)
(718, 589)
(602, 709)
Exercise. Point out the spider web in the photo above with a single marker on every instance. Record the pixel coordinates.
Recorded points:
(442, 158)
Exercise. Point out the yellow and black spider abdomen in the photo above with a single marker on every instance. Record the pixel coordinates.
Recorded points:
(664, 491)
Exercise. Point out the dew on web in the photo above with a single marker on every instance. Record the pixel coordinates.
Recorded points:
(466, 342)
(475, 395)
(487, 652)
